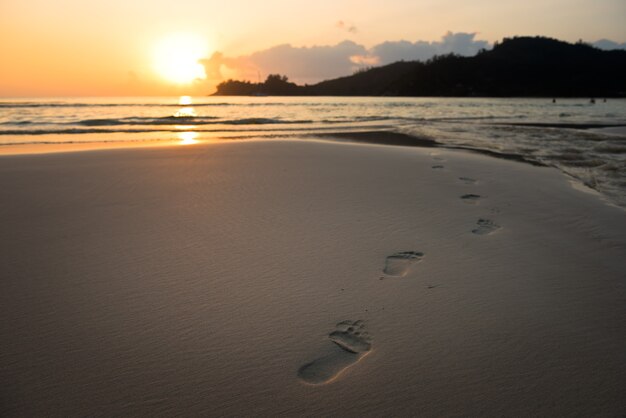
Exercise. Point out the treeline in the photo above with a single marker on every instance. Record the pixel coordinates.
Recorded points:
(515, 67)
(274, 85)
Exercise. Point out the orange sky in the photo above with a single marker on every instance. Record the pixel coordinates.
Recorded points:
(78, 47)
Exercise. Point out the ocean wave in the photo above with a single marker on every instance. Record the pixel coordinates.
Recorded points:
(18, 123)
(263, 121)
(204, 120)
(356, 119)
(172, 129)
(185, 120)
(72, 131)
(99, 141)
(168, 120)
(611, 149)
(473, 118)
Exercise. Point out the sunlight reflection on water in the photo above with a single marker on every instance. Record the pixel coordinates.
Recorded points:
(187, 138)
(184, 100)
(186, 111)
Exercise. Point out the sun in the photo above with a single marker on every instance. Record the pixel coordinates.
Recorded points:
(176, 58)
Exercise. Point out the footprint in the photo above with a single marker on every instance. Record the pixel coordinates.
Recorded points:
(468, 180)
(485, 227)
(352, 343)
(399, 264)
(437, 167)
(470, 198)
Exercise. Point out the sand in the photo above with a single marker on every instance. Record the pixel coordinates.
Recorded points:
(282, 278)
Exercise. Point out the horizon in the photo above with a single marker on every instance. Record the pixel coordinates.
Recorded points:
(119, 49)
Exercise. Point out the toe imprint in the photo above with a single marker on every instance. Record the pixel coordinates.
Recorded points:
(470, 198)
(485, 227)
(468, 180)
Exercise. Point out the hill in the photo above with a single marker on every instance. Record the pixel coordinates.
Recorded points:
(515, 67)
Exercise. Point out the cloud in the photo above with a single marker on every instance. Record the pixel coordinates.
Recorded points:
(213, 66)
(460, 43)
(607, 44)
(312, 64)
(301, 64)
(346, 26)
(365, 60)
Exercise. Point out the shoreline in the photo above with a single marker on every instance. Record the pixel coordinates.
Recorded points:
(392, 138)
(71, 147)
(382, 137)
(371, 137)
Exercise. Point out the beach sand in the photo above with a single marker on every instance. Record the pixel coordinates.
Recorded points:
(281, 278)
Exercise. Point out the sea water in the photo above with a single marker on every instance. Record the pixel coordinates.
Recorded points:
(574, 135)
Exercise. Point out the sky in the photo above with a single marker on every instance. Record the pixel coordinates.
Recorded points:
(120, 47)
